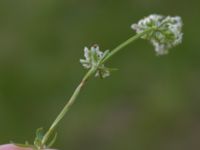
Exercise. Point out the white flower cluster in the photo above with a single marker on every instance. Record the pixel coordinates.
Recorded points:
(166, 33)
(93, 58)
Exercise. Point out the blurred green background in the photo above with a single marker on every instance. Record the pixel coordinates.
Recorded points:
(151, 103)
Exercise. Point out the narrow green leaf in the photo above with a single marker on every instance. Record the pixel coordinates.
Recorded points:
(53, 140)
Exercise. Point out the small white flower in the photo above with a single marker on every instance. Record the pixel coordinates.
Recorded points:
(167, 31)
(93, 58)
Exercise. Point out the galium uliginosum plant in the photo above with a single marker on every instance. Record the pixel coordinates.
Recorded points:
(162, 32)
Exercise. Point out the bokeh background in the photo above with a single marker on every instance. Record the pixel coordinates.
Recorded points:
(151, 103)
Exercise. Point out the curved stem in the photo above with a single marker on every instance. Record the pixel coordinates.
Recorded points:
(82, 83)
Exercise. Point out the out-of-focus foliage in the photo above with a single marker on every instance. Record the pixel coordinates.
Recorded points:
(150, 103)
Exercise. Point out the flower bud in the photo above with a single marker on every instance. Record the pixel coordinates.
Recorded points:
(93, 58)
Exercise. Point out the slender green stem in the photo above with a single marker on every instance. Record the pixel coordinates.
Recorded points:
(82, 83)
(67, 106)
(126, 43)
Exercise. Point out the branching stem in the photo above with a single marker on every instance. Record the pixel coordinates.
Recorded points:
(90, 73)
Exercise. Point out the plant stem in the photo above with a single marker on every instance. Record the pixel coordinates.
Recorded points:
(82, 83)
(67, 106)
(126, 43)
